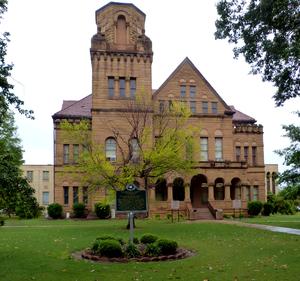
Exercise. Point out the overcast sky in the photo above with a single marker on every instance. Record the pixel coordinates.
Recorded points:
(50, 41)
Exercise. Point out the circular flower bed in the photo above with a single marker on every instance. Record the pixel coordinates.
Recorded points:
(148, 248)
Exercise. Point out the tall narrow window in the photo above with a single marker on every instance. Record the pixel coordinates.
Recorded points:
(192, 92)
(182, 91)
(247, 195)
(204, 148)
(66, 151)
(122, 87)
(238, 153)
(75, 195)
(193, 106)
(219, 149)
(45, 175)
(111, 87)
(246, 153)
(214, 107)
(161, 106)
(204, 107)
(85, 195)
(29, 176)
(255, 193)
(254, 155)
(75, 153)
(111, 149)
(121, 30)
(134, 150)
(45, 198)
(268, 182)
(132, 87)
(66, 195)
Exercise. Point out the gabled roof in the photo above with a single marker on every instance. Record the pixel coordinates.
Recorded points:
(240, 117)
(75, 109)
(120, 4)
(189, 62)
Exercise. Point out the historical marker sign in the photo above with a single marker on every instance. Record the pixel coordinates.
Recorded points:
(131, 199)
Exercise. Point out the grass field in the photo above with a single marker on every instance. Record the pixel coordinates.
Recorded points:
(277, 220)
(40, 250)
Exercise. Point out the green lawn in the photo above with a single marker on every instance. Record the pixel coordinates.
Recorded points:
(40, 250)
(277, 220)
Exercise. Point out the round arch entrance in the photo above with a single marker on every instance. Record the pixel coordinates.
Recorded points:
(199, 191)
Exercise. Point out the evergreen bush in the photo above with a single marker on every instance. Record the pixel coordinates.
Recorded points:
(167, 247)
(254, 208)
(267, 209)
(55, 210)
(148, 238)
(102, 210)
(131, 251)
(152, 250)
(79, 210)
(110, 248)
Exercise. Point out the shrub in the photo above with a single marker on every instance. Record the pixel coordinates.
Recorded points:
(148, 238)
(102, 210)
(167, 247)
(1, 221)
(285, 207)
(110, 248)
(267, 209)
(254, 208)
(131, 251)
(107, 237)
(79, 210)
(55, 210)
(152, 250)
(136, 240)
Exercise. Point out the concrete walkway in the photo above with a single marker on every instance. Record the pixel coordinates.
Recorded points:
(263, 226)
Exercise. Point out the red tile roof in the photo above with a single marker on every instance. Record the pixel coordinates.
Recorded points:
(240, 117)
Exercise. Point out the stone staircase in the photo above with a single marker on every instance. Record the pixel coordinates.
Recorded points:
(201, 214)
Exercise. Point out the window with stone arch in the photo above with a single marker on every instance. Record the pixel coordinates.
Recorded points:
(178, 189)
(219, 192)
(121, 32)
(111, 149)
(161, 190)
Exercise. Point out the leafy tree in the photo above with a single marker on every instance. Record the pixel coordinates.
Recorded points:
(16, 195)
(290, 178)
(145, 159)
(7, 98)
(267, 33)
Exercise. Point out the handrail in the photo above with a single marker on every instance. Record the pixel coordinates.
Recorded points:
(212, 209)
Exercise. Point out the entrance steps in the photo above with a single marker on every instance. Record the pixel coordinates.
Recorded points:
(201, 214)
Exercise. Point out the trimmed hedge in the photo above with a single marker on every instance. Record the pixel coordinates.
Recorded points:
(55, 211)
(148, 238)
(110, 248)
(79, 210)
(102, 210)
(267, 209)
(167, 247)
(254, 208)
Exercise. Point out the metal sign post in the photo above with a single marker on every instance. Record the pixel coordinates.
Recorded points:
(131, 227)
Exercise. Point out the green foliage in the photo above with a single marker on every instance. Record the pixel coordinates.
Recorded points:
(267, 209)
(136, 240)
(2, 221)
(102, 210)
(55, 211)
(167, 247)
(152, 250)
(107, 237)
(148, 238)
(132, 251)
(79, 210)
(107, 248)
(254, 208)
(267, 34)
(285, 207)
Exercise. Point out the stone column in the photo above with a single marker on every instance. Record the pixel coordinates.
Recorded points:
(243, 192)
(187, 194)
(211, 195)
(170, 191)
(251, 193)
(227, 191)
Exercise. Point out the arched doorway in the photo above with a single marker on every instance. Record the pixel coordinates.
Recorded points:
(199, 191)
(178, 189)
(235, 189)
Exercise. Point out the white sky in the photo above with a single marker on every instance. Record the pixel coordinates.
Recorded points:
(50, 41)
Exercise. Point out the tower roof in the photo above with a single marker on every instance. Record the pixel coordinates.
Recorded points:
(120, 4)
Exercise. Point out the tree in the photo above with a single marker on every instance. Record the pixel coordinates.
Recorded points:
(7, 98)
(290, 178)
(141, 157)
(16, 195)
(267, 33)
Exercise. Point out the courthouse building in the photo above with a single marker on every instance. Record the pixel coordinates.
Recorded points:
(230, 166)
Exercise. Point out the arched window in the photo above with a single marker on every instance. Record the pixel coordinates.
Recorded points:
(121, 30)
(219, 193)
(235, 189)
(111, 149)
(268, 182)
(274, 176)
(161, 190)
(178, 189)
(135, 150)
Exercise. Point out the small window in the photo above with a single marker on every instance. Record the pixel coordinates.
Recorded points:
(75, 153)
(193, 106)
(218, 149)
(66, 153)
(214, 107)
(254, 155)
(204, 148)
(246, 153)
(161, 106)
(75, 195)
(111, 87)
(132, 87)
(192, 92)
(255, 193)
(111, 149)
(238, 153)
(204, 107)
(85, 195)
(122, 87)
(182, 91)
(45, 175)
(46, 198)
(66, 195)
(29, 176)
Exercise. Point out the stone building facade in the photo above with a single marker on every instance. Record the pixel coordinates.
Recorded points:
(271, 172)
(230, 169)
